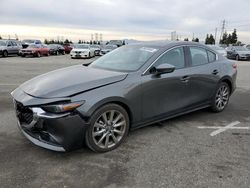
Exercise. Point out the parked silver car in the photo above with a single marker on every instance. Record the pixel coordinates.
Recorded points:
(219, 49)
(9, 47)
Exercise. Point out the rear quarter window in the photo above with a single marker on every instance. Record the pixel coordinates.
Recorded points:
(211, 56)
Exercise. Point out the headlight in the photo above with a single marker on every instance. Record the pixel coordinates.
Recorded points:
(60, 108)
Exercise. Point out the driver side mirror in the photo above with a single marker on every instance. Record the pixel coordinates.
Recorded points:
(162, 69)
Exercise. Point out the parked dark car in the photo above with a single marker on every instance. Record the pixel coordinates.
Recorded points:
(35, 51)
(56, 49)
(9, 47)
(131, 87)
(238, 53)
(27, 42)
(68, 48)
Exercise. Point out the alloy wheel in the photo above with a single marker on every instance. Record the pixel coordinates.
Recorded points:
(109, 129)
(222, 97)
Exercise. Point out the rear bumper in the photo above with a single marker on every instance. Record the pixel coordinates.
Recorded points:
(57, 132)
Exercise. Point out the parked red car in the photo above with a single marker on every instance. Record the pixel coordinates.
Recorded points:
(35, 51)
(68, 48)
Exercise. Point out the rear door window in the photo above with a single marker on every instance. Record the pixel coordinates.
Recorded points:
(198, 56)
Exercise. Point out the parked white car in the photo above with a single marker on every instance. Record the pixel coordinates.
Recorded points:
(82, 51)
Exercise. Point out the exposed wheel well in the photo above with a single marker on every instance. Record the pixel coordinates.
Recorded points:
(228, 82)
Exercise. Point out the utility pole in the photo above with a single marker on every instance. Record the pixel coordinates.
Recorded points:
(222, 28)
(215, 35)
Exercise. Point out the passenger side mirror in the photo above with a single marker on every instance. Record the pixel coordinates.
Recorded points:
(162, 69)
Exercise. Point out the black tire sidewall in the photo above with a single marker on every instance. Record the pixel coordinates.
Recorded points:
(5, 54)
(88, 135)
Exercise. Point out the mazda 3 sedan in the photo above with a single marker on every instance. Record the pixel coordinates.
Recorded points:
(130, 87)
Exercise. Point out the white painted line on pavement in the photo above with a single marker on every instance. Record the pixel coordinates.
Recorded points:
(221, 129)
(9, 84)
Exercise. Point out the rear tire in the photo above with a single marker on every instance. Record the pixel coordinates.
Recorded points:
(221, 97)
(109, 126)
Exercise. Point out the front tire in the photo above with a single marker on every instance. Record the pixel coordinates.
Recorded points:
(108, 128)
(5, 53)
(38, 54)
(237, 58)
(221, 97)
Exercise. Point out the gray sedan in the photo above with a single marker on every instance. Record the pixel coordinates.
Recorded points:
(130, 87)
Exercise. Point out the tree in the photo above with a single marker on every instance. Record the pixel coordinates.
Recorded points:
(238, 43)
(0, 37)
(186, 39)
(224, 38)
(229, 39)
(46, 41)
(210, 39)
(195, 40)
(66, 41)
(79, 42)
(234, 37)
(91, 42)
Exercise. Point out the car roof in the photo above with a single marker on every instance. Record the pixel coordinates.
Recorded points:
(166, 44)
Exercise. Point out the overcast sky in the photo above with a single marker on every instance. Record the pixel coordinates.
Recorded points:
(137, 19)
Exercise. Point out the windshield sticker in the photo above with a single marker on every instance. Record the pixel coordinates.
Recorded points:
(152, 50)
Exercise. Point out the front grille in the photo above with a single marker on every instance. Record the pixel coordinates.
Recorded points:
(24, 114)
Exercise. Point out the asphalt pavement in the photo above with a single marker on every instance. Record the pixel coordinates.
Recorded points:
(181, 152)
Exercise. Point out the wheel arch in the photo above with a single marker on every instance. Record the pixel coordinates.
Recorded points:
(229, 81)
(113, 100)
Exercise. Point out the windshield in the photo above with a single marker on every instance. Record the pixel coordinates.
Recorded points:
(33, 46)
(125, 59)
(2, 43)
(81, 46)
(240, 48)
(28, 41)
(109, 47)
(52, 46)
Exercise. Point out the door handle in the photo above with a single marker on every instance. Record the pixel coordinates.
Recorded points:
(215, 72)
(185, 78)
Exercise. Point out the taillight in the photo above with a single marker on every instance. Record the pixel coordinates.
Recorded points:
(234, 66)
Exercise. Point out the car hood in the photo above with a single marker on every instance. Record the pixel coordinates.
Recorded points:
(2, 47)
(243, 52)
(106, 50)
(31, 49)
(69, 81)
(80, 50)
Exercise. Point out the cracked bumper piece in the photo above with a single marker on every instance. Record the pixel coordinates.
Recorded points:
(57, 132)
